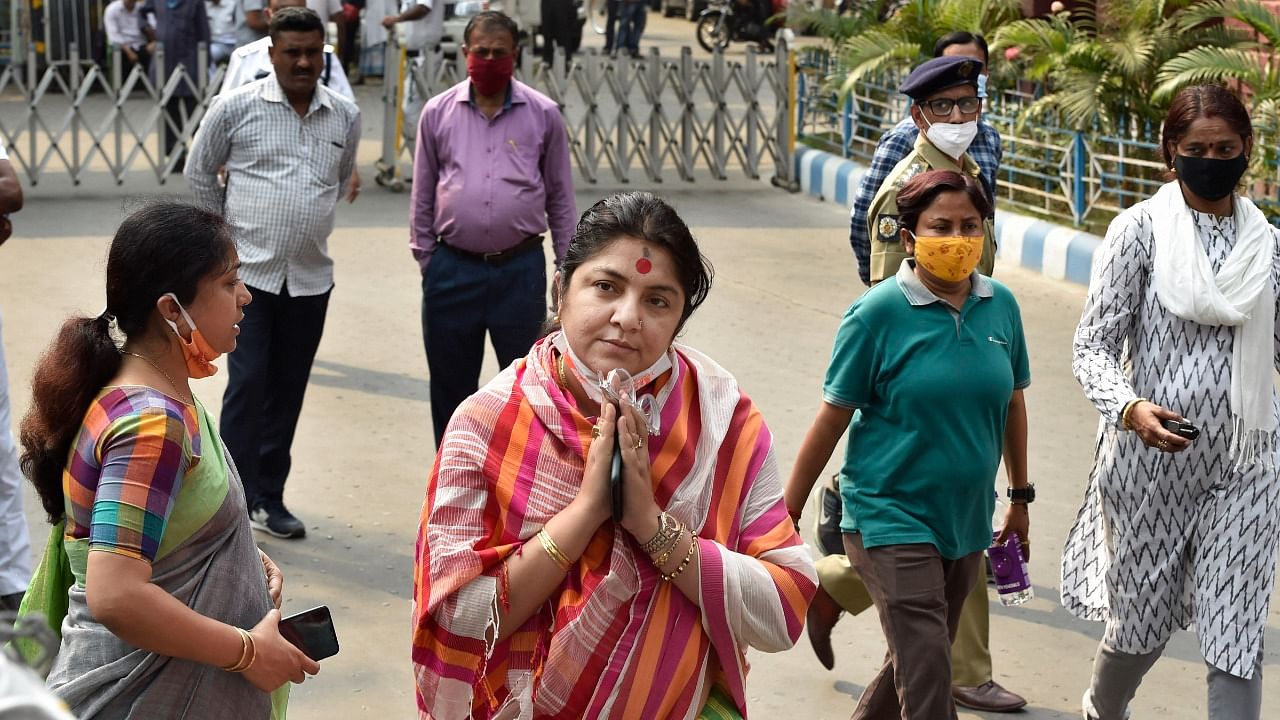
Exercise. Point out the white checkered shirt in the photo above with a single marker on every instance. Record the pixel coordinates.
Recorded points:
(285, 174)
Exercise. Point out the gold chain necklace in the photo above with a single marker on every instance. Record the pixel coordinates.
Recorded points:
(166, 377)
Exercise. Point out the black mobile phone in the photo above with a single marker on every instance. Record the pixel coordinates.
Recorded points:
(311, 631)
(615, 482)
(1181, 429)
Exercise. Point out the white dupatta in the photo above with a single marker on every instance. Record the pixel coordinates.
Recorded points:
(1239, 295)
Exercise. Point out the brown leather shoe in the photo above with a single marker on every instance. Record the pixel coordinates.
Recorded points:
(822, 616)
(988, 697)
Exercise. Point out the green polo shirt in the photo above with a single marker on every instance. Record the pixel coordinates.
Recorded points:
(930, 388)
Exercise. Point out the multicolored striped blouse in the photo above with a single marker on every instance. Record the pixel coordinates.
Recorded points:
(614, 641)
(126, 469)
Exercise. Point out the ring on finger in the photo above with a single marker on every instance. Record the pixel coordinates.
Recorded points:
(1163, 444)
(639, 444)
(595, 431)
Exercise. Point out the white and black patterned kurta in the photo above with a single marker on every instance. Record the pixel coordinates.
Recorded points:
(1164, 540)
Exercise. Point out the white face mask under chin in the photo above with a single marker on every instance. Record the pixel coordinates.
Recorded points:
(953, 139)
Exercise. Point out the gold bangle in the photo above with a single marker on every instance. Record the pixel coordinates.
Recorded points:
(661, 562)
(553, 551)
(1128, 408)
(247, 653)
(693, 548)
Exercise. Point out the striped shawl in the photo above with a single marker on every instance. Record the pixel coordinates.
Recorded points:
(614, 641)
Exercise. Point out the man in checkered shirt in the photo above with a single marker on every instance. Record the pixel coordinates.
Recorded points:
(986, 151)
(289, 146)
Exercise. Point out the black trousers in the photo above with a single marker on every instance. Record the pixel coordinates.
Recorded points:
(268, 376)
(560, 27)
(462, 298)
(177, 110)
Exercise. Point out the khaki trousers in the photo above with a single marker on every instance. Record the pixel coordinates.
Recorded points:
(918, 595)
(971, 650)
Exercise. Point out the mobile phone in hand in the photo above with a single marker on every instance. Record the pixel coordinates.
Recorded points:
(1181, 429)
(615, 481)
(311, 631)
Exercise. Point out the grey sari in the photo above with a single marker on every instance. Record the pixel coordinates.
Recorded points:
(217, 572)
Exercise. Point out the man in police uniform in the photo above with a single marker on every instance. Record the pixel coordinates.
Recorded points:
(945, 106)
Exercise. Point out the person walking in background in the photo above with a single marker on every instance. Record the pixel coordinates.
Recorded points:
(288, 145)
(422, 22)
(151, 574)
(631, 19)
(253, 21)
(840, 589)
(225, 17)
(612, 9)
(927, 378)
(986, 149)
(122, 20)
(181, 26)
(560, 28)
(566, 608)
(1181, 326)
(15, 543)
(490, 173)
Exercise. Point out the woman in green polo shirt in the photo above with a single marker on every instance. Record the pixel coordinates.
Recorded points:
(927, 374)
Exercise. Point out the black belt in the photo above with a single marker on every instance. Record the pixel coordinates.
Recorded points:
(500, 257)
(412, 53)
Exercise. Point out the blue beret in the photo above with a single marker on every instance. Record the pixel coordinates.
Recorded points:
(939, 74)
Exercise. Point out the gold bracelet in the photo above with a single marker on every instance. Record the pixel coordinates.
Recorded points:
(693, 548)
(1128, 408)
(553, 551)
(666, 554)
(247, 653)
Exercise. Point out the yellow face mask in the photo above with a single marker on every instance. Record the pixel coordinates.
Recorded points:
(951, 258)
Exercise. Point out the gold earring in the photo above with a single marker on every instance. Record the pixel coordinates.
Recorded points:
(556, 318)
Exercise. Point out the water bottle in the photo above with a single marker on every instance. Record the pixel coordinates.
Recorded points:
(1013, 581)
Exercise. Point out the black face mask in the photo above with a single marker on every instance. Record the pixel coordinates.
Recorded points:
(1210, 178)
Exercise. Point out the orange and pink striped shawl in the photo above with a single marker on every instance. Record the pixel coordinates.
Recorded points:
(614, 641)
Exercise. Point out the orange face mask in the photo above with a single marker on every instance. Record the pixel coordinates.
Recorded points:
(952, 258)
(197, 351)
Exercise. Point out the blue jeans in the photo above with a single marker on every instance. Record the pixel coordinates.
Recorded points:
(630, 26)
(462, 298)
(267, 379)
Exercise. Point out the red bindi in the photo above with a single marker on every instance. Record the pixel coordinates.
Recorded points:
(643, 266)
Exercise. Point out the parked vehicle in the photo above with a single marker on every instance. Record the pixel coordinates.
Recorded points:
(726, 21)
(526, 13)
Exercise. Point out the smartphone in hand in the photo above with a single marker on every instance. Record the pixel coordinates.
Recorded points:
(1181, 429)
(311, 631)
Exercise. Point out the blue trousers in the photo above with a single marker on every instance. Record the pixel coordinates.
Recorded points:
(267, 379)
(462, 298)
(631, 19)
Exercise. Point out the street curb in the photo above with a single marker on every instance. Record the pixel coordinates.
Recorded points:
(1056, 251)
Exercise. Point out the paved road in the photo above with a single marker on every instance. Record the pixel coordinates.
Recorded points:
(784, 276)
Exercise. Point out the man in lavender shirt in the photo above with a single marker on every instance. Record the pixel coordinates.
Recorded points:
(491, 173)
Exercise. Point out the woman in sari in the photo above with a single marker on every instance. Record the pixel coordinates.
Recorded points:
(167, 609)
(529, 600)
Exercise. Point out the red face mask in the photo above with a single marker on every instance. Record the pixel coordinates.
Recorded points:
(490, 77)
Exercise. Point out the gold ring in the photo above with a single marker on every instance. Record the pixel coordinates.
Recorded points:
(1163, 444)
(639, 444)
(595, 431)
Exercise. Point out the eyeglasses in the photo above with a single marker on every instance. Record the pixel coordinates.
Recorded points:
(943, 106)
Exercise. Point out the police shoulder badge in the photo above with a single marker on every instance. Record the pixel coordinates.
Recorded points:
(887, 228)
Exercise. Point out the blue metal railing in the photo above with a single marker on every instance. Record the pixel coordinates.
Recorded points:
(1079, 176)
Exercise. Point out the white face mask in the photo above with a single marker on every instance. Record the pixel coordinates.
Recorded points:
(953, 139)
(599, 388)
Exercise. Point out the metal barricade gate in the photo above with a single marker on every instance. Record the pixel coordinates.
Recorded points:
(627, 118)
(653, 116)
(95, 120)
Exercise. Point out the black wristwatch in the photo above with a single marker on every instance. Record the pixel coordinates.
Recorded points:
(1026, 495)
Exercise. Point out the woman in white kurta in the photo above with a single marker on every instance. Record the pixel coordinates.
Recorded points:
(1182, 310)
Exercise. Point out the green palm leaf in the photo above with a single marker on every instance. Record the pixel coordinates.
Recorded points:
(1208, 65)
